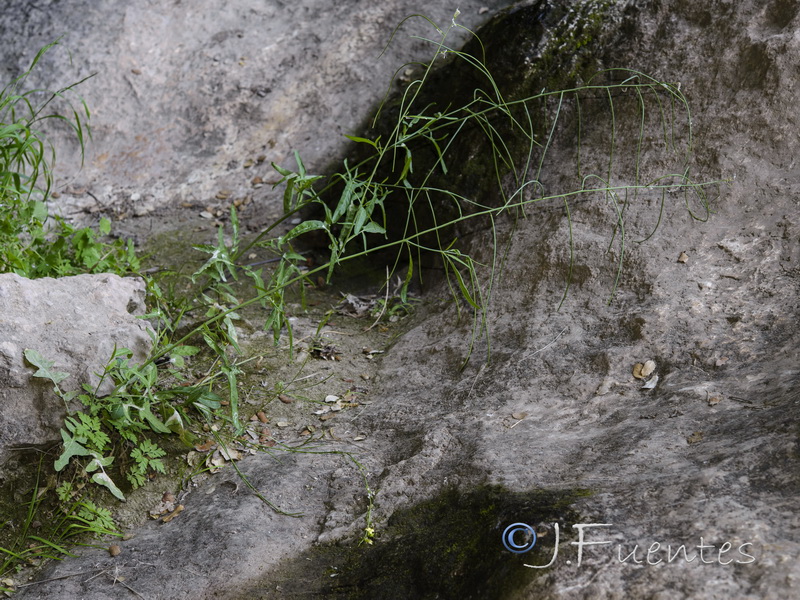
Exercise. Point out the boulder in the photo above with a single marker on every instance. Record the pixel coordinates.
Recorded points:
(556, 426)
(191, 104)
(75, 322)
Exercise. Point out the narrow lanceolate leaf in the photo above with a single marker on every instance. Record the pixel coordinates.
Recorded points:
(51, 544)
(155, 424)
(361, 218)
(302, 228)
(362, 140)
(464, 290)
(453, 258)
(408, 165)
(373, 227)
(233, 389)
(345, 200)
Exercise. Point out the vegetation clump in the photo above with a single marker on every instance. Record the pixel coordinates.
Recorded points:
(113, 441)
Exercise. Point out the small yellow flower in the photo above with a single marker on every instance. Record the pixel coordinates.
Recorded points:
(369, 533)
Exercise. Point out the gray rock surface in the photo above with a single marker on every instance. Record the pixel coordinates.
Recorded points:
(76, 322)
(555, 423)
(185, 94)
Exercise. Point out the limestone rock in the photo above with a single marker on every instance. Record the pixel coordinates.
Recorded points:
(627, 458)
(73, 321)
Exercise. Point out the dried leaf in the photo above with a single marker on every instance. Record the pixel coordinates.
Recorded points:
(697, 436)
(683, 257)
(205, 447)
(353, 306)
(230, 453)
(647, 368)
(174, 513)
(651, 384)
(326, 352)
(193, 459)
(167, 505)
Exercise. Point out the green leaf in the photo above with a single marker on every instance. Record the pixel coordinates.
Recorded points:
(293, 256)
(234, 229)
(44, 366)
(373, 227)
(121, 412)
(98, 462)
(230, 329)
(460, 279)
(136, 477)
(408, 165)
(301, 168)
(233, 396)
(200, 395)
(153, 421)
(40, 211)
(209, 399)
(346, 199)
(104, 480)
(150, 449)
(53, 545)
(105, 226)
(184, 350)
(174, 422)
(73, 446)
(88, 428)
(362, 140)
(361, 218)
(302, 228)
(281, 170)
(97, 517)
